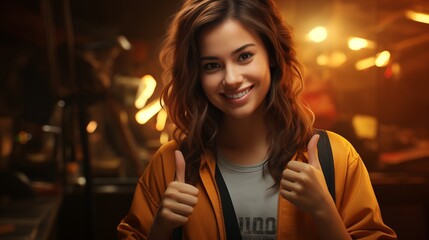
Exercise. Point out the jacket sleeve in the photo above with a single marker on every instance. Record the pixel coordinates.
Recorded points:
(147, 196)
(356, 201)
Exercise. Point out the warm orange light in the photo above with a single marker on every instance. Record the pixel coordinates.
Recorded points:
(382, 59)
(335, 59)
(417, 16)
(145, 91)
(365, 126)
(322, 60)
(318, 34)
(148, 112)
(161, 118)
(396, 69)
(338, 58)
(124, 43)
(24, 137)
(356, 43)
(365, 63)
(91, 127)
(163, 138)
(392, 71)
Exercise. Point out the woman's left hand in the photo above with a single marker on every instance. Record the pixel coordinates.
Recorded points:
(303, 184)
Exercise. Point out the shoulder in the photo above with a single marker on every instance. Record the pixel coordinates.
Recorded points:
(349, 167)
(341, 145)
(161, 167)
(343, 152)
(337, 139)
(166, 151)
(352, 184)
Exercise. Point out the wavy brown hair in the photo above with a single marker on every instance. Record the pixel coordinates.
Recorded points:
(289, 120)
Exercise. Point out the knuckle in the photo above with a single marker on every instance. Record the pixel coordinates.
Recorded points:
(194, 201)
(170, 217)
(286, 173)
(303, 178)
(189, 211)
(299, 189)
(306, 167)
(175, 185)
(165, 213)
(184, 220)
(169, 194)
(196, 192)
(166, 204)
(172, 184)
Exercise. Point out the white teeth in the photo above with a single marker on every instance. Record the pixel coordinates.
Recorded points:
(237, 95)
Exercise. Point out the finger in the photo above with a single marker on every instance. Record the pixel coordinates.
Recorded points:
(183, 210)
(180, 166)
(179, 208)
(189, 190)
(287, 185)
(290, 174)
(313, 158)
(179, 187)
(288, 195)
(173, 217)
(181, 193)
(296, 166)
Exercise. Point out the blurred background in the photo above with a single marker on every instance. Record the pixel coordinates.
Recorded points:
(80, 117)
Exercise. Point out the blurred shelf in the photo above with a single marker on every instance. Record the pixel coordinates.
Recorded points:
(29, 219)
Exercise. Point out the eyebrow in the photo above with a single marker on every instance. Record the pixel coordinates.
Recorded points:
(233, 52)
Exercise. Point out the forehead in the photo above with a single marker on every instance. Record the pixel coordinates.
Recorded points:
(226, 37)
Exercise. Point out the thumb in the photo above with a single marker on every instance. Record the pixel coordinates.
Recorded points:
(313, 158)
(180, 166)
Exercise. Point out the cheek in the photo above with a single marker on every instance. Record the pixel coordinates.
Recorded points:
(205, 84)
(207, 90)
(209, 83)
(260, 73)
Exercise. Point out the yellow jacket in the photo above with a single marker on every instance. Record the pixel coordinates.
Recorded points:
(355, 200)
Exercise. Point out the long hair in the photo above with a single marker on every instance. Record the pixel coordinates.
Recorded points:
(289, 120)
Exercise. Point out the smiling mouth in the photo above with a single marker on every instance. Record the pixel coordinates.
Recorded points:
(238, 95)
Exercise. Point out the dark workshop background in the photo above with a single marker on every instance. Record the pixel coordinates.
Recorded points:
(79, 114)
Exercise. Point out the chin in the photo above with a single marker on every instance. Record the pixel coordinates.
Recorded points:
(240, 115)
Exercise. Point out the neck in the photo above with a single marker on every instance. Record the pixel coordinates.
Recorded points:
(244, 141)
(237, 132)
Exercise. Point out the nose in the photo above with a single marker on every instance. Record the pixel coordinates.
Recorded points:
(232, 76)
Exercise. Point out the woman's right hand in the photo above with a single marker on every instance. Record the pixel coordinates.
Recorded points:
(177, 204)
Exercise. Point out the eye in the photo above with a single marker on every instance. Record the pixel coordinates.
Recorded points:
(211, 67)
(245, 57)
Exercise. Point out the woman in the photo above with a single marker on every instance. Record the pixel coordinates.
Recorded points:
(234, 92)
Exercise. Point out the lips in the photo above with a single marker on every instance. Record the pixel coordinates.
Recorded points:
(237, 95)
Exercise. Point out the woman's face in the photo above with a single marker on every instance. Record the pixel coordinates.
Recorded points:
(235, 69)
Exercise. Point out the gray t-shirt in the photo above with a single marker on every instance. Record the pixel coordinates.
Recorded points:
(255, 202)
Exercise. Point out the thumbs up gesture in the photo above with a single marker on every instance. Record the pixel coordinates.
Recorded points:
(303, 184)
(180, 166)
(178, 202)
